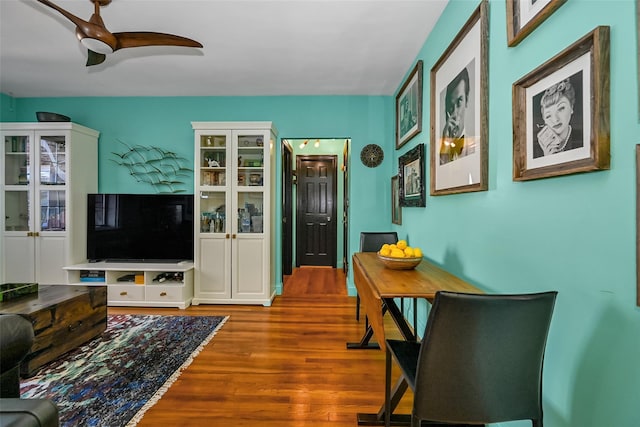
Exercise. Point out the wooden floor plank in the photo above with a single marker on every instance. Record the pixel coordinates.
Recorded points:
(284, 365)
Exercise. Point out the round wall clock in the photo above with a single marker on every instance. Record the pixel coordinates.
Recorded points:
(371, 155)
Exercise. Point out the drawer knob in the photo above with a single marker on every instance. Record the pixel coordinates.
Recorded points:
(123, 293)
(163, 294)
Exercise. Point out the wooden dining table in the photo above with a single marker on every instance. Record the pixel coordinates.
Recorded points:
(379, 288)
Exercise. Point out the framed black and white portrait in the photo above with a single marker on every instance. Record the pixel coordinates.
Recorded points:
(523, 16)
(561, 112)
(459, 121)
(411, 177)
(409, 107)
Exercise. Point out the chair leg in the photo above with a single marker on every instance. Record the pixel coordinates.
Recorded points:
(415, 421)
(358, 307)
(387, 389)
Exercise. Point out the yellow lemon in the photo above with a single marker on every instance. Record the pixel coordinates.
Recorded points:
(385, 251)
(417, 252)
(408, 252)
(392, 246)
(397, 253)
(384, 247)
(402, 244)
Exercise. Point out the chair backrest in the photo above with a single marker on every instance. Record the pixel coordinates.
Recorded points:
(481, 358)
(371, 241)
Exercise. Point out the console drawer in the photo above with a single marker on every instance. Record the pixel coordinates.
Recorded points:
(164, 293)
(125, 293)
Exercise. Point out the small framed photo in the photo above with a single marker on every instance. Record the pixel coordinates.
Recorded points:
(459, 111)
(411, 177)
(523, 16)
(561, 112)
(409, 107)
(396, 209)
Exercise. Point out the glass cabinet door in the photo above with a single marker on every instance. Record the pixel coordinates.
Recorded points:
(213, 159)
(51, 176)
(213, 212)
(250, 208)
(18, 169)
(250, 158)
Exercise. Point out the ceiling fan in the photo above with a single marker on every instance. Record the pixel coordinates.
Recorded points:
(99, 41)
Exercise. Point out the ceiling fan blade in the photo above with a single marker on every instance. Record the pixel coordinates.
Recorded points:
(95, 58)
(145, 38)
(80, 23)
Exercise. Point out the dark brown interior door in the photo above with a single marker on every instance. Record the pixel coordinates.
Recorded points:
(316, 210)
(287, 209)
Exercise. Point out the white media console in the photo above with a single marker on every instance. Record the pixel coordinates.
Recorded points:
(138, 284)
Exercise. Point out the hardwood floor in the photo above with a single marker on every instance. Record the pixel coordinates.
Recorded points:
(284, 365)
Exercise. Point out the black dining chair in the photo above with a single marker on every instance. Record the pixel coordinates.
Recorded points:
(371, 241)
(479, 361)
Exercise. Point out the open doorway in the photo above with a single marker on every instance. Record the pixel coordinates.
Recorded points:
(313, 152)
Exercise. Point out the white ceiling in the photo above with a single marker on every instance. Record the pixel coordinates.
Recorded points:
(251, 47)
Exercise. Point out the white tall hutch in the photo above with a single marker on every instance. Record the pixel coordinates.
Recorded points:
(234, 201)
(47, 171)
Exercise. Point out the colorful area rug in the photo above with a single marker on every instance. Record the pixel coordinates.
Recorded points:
(115, 378)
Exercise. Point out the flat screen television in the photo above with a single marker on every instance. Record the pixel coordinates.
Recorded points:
(140, 227)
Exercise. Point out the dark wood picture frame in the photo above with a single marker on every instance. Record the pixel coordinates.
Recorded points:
(581, 71)
(460, 134)
(520, 25)
(396, 209)
(411, 177)
(409, 107)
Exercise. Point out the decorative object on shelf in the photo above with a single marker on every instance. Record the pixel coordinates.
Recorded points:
(396, 209)
(99, 41)
(561, 112)
(160, 168)
(409, 107)
(459, 110)
(523, 16)
(371, 155)
(411, 177)
(44, 116)
(400, 263)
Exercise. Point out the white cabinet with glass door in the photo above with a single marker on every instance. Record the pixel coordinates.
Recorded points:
(47, 171)
(234, 186)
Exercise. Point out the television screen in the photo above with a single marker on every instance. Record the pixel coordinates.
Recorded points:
(140, 227)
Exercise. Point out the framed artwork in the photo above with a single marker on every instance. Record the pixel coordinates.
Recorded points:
(396, 209)
(561, 112)
(459, 110)
(411, 177)
(523, 16)
(409, 107)
(638, 50)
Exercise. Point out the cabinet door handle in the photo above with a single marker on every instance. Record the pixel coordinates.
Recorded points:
(233, 236)
(163, 294)
(226, 236)
(123, 293)
(30, 234)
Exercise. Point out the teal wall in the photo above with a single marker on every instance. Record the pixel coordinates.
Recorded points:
(166, 122)
(574, 234)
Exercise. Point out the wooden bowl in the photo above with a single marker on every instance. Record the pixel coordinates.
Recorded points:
(399, 263)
